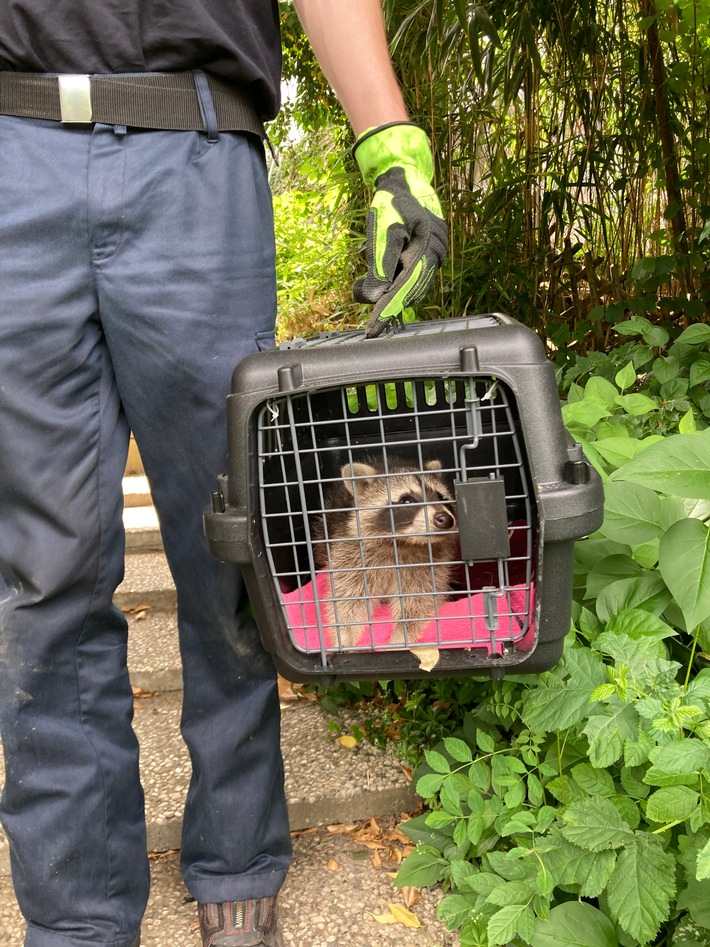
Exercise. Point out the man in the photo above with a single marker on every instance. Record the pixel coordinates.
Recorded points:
(137, 268)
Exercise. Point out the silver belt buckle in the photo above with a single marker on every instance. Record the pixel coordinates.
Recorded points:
(75, 99)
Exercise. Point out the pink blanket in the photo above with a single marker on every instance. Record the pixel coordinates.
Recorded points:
(460, 622)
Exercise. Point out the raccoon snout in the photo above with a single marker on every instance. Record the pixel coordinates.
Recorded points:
(443, 520)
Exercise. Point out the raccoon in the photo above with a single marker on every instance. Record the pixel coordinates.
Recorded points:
(386, 537)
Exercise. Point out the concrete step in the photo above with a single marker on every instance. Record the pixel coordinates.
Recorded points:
(136, 492)
(142, 530)
(153, 651)
(147, 582)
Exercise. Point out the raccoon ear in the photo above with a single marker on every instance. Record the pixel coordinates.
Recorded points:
(348, 471)
(432, 465)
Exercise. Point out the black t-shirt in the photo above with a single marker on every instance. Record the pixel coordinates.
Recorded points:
(237, 40)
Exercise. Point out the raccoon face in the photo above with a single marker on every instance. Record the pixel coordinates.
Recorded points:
(415, 507)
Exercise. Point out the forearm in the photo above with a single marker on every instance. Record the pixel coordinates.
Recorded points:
(349, 40)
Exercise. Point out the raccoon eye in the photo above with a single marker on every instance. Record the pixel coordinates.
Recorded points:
(407, 498)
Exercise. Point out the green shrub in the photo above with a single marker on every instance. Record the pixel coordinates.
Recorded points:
(573, 807)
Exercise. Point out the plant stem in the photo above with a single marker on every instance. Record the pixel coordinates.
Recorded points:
(692, 655)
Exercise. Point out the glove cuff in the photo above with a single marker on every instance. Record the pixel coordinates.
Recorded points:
(398, 144)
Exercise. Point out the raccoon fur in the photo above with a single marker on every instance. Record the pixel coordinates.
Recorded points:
(386, 537)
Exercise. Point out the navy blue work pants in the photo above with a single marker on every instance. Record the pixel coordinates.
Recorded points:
(136, 270)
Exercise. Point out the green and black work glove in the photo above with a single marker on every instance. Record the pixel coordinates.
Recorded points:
(406, 233)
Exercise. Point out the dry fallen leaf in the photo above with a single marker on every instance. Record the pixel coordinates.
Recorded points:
(404, 916)
(428, 657)
(385, 918)
(410, 895)
(296, 833)
(347, 741)
(344, 828)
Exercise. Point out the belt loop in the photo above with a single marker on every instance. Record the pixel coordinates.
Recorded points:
(204, 100)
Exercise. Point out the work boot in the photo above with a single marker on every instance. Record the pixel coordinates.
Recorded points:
(240, 924)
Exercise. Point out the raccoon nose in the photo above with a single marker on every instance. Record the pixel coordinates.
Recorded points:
(443, 520)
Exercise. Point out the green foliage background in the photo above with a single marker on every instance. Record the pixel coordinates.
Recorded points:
(572, 146)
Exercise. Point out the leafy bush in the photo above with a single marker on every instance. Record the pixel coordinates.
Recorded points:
(573, 807)
(319, 236)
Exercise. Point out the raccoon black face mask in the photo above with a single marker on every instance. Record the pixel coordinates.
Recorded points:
(386, 537)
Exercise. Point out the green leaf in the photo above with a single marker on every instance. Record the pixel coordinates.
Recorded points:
(632, 513)
(700, 371)
(671, 804)
(633, 786)
(555, 704)
(509, 921)
(485, 741)
(699, 688)
(422, 834)
(637, 623)
(608, 733)
(555, 707)
(678, 465)
(703, 864)
(637, 751)
(626, 378)
(512, 892)
(420, 869)
(665, 369)
(429, 785)
(565, 790)
(641, 887)
(698, 334)
(584, 414)
(454, 910)
(684, 564)
(479, 773)
(595, 825)
(696, 901)
(601, 390)
(637, 404)
(506, 867)
(610, 569)
(646, 591)
(682, 757)
(458, 749)
(450, 799)
(634, 652)
(569, 865)
(483, 882)
(687, 424)
(637, 325)
(575, 924)
(618, 451)
(628, 810)
(593, 781)
(437, 761)
(438, 819)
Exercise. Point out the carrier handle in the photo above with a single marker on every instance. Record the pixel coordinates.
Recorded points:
(378, 326)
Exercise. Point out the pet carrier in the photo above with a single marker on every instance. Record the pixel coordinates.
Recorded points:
(406, 505)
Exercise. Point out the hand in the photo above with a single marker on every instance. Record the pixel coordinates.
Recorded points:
(406, 233)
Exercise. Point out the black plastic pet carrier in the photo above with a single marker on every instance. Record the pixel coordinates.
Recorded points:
(406, 505)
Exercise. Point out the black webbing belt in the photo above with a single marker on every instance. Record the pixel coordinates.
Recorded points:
(141, 100)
